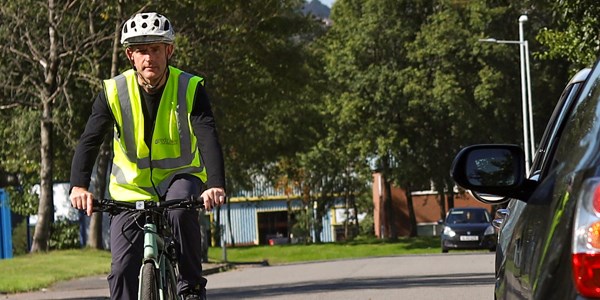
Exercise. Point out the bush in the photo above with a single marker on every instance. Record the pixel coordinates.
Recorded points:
(367, 226)
(64, 234)
(20, 244)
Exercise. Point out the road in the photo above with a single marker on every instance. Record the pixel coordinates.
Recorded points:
(448, 276)
(466, 275)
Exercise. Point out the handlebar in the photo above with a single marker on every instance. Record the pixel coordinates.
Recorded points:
(113, 206)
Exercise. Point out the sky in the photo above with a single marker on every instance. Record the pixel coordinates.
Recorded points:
(327, 2)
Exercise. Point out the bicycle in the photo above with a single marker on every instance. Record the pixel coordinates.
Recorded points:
(158, 273)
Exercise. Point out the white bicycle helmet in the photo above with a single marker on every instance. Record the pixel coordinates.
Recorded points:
(146, 28)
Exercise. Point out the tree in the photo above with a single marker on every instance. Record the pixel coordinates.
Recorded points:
(457, 83)
(366, 55)
(105, 153)
(254, 59)
(404, 85)
(41, 55)
(575, 31)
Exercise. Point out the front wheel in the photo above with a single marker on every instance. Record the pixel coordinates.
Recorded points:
(148, 282)
(170, 291)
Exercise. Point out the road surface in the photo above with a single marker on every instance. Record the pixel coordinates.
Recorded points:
(464, 275)
(444, 276)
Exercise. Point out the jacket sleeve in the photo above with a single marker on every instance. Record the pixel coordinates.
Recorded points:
(203, 123)
(98, 125)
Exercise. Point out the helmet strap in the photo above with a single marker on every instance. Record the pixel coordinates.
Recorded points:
(146, 83)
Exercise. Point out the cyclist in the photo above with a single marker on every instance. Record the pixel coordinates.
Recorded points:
(165, 147)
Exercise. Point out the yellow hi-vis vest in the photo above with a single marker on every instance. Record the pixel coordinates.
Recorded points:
(140, 172)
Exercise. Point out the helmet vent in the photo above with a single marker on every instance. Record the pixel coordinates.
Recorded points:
(145, 28)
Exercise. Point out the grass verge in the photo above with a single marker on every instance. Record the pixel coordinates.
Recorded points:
(35, 271)
(281, 254)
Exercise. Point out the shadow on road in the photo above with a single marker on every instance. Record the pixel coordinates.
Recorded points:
(263, 291)
(88, 298)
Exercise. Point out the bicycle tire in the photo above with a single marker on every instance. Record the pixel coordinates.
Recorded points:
(149, 283)
(170, 288)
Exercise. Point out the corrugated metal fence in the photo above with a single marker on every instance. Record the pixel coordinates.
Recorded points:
(244, 220)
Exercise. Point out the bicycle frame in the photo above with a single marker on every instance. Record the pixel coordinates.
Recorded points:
(155, 252)
(158, 273)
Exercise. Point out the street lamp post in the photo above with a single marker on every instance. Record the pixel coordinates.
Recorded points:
(525, 48)
(526, 103)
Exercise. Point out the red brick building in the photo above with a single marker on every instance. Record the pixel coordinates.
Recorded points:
(426, 205)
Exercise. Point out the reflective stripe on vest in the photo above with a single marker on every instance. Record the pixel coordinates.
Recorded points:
(152, 176)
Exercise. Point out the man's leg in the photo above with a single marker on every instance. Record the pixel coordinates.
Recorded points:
(186, 229)
(126, 247)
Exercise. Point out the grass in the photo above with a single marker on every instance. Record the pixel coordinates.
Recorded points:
(281, 254)
(36, 271)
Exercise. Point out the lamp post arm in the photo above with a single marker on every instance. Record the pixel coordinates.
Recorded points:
(493, 40)
(508, 42)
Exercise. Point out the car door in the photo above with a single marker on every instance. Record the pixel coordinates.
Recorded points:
(523, 223)
(547, 219)
(572, 158)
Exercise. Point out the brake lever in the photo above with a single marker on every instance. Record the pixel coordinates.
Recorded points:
(98, 206)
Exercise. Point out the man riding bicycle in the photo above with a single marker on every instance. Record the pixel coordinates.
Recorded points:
(165, 147)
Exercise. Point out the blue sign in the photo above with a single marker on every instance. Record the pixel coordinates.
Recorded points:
(5, 227)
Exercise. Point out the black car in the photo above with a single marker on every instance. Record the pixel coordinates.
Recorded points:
(468, 228)
(549, 230)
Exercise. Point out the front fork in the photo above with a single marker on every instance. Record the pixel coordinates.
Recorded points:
(152, 246)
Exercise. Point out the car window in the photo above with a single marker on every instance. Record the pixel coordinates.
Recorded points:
(563, 107)
(467, 217)
(580, 130)
(551, 129)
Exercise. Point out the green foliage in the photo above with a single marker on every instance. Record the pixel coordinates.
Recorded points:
(574, 35)
(394, 85)
(254, 58)
(64, 235)
(22, 201)
(302, 228)
(19, 239)
(366, 57)
(367, 226)
(19, 151)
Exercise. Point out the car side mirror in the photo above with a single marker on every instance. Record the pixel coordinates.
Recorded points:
(487, 198)
(492, 170)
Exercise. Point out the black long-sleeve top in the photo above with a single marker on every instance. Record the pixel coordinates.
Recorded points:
(101, 122)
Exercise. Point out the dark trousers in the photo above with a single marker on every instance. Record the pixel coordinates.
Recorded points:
(127, 240)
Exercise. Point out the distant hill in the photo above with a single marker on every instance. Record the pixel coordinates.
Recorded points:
(316, 8)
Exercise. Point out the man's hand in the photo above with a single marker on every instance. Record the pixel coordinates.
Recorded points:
(213, 197)
(82, 199)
